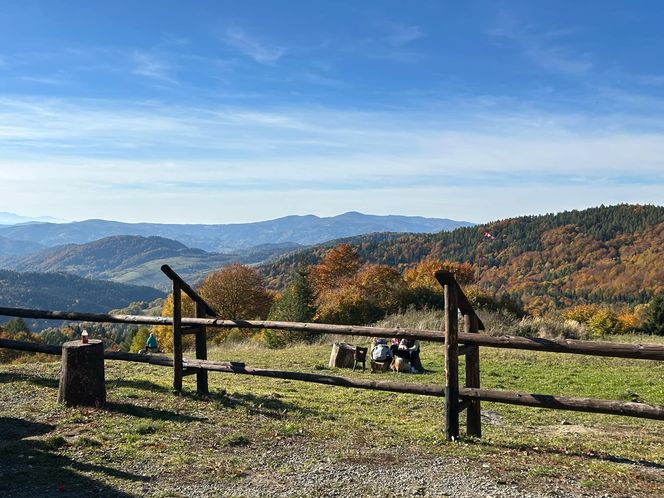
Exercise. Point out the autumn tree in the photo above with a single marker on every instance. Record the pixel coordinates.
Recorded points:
(382, 286)
(139, 340)
(164, 333)
(236, 293)
(339, 265)
(423, 274)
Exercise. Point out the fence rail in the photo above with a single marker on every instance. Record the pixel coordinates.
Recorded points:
(572, 346)
(456, 343)
(642, 410)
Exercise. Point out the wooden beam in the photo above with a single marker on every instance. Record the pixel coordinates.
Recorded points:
(610, 407)
(640, 410)
(177, 337)
(451, 363)
(473, 414)
(447, 278)
(593, 348)
(195, 296)
(201, 351)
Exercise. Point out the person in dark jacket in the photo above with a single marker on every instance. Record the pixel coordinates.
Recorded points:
(409, 349)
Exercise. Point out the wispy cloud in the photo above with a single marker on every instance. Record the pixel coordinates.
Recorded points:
(102, 152)
(398, 34)
(545, 48)
(252, 47)
(153, 66)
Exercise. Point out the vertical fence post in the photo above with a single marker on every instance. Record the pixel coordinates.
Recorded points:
(451, 361)
(473, 413)
(177, 337)
(201, 351)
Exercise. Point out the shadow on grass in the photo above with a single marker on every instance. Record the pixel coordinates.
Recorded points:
(150, 413)
(34, 468)
(37, 380)
(593, 455)
(144, 385)
(258, 405)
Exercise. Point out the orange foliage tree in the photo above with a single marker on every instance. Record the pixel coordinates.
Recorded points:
(339, 266)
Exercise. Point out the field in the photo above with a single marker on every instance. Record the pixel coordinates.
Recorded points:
(256, 436)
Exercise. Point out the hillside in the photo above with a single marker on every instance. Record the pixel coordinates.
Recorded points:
(297, 230)
(613, 254)
(57, 291)
(135, 260)
(10, 247)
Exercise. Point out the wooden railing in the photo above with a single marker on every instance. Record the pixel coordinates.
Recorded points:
(456, 343)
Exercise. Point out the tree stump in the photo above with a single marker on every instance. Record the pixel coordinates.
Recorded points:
(82, 374)
(342, 356)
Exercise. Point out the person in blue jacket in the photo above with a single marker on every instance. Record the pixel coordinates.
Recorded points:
(151, 343)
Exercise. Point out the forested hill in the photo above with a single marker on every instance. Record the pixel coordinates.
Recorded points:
(612, 254)
(58, 291)
(134, 260)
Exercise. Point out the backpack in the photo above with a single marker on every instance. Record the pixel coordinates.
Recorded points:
(381, 352)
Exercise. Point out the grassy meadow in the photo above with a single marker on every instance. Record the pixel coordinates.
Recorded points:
(147, 440)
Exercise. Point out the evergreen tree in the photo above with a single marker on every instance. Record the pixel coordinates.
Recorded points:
(16, 327)
(654, 322)
(295, 305)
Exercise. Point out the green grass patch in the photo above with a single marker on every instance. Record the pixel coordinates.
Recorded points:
(253, 424)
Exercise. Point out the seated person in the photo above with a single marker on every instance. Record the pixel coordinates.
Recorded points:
(381, 352)
(410, 350)
(151, 344)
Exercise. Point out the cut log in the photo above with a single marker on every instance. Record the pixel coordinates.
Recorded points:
(342, 356)
(82, 374)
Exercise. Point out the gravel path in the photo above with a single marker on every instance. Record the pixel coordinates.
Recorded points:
(289, 470)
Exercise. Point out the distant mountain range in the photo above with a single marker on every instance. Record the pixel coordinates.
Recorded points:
(13, 219)
(296, 230)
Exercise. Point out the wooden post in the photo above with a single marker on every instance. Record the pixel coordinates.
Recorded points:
(473, 413)
(201, 351)
(82, 374)
(177, 337)
(451, 362)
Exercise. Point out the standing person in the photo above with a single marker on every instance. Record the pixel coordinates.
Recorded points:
(151, 343)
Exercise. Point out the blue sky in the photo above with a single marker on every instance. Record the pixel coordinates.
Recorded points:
(227, 111)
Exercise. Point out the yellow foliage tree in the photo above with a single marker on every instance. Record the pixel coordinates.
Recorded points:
(423, 275)
(164, 333)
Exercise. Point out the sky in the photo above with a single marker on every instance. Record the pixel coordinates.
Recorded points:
(227, 111)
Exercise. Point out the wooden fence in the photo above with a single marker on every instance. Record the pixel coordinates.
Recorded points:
(456, 343)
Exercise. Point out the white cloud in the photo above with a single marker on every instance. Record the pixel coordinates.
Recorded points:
(102, 155)
(259, 51)
(153, 66)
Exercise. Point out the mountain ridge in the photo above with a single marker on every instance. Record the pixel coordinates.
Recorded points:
(298, 229)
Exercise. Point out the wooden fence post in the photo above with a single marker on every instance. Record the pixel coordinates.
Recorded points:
(82, 374)
(201, 351)
(451, 361)
(177, 337)
(473, 413)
